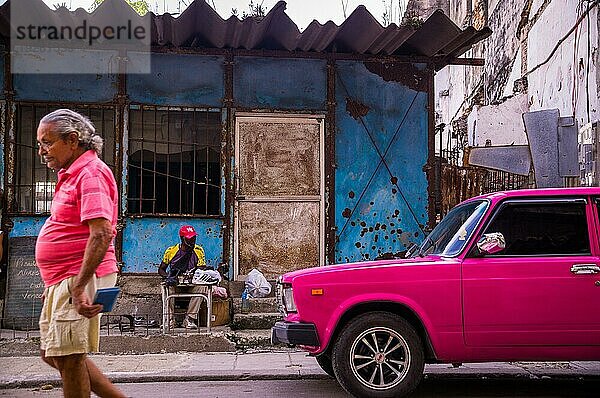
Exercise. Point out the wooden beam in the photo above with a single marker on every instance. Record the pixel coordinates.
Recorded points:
(466, 61)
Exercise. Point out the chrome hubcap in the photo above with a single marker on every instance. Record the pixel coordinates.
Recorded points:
(380, 358)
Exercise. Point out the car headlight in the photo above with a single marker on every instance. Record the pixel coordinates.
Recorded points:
(288, 299)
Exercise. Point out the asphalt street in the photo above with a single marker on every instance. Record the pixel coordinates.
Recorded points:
(439, 388)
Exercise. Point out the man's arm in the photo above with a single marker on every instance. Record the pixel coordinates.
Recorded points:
(162, 269)
(101, 234)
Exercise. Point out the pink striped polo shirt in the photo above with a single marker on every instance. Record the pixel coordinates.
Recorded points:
(86, 190)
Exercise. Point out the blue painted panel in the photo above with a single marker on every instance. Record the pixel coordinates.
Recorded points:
(372, 218)
(27, 226)
(178, 80)
(96, 86)
(280, 83)
(145, 240)
(65, 88)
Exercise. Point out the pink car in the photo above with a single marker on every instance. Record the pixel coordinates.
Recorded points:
(504, 277)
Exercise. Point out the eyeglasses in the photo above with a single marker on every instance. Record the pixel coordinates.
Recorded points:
(46, 145)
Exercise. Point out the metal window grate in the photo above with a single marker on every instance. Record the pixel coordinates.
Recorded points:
(174, 165)
(34, 182)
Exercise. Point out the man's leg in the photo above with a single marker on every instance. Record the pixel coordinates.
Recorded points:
(100, 384)
(171, 312)
(194, 307)
(195, 303)
(74, 375)
(48, 360)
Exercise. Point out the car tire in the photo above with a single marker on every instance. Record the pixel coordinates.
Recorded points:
(324, 362)
(378, 354)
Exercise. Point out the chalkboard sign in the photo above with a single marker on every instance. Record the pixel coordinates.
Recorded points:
(24, 286)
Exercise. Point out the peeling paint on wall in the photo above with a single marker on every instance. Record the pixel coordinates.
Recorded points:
(278, 237)
(373, 219)
(26, 226)
(502, 46)
(356, 109)
(407, 74)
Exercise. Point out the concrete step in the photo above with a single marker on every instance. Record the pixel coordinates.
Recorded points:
(267, 304)
(255, 321)
(250, 339)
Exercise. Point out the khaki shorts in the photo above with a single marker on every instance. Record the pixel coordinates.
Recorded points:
(62, 330)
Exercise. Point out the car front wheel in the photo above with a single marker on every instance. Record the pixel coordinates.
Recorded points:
(378, 354)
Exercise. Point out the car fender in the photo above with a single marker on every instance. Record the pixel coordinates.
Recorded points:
(354, 301)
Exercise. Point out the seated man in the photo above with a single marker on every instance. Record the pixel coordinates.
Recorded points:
(182, 258)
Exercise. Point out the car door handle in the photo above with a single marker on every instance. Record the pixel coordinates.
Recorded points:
(585, 269)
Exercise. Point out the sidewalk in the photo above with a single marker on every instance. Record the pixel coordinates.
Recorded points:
(27, 372)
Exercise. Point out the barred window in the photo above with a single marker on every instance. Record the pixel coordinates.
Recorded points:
(34, 182)
(174, 164)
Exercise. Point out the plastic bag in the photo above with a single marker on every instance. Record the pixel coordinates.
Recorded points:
(219, 292)
(257, 284)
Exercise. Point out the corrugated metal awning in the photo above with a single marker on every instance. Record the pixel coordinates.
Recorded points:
(199, 26)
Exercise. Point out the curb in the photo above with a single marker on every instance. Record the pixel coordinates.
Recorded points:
(121, 378)
(153, 378)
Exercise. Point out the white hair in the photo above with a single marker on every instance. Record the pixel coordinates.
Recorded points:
(66, 121)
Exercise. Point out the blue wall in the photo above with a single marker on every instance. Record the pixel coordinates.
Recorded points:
(372, 218)
(280, 83)
(65, 88)
(175, 80)
(147, 239)
(92, 87)
(382, 221)
(27, 226)
(178, 80)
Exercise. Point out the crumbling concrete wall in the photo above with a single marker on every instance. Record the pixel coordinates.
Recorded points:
(459, 11)
(563, 74)
(539, 48)
(140, 296)
(499, 124)
(501, 47)
(424, 8)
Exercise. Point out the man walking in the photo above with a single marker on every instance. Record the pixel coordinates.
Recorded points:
(75, 251)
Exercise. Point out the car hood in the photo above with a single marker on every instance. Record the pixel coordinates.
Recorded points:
(417, 261)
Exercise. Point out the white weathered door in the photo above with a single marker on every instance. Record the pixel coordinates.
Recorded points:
(279, 204)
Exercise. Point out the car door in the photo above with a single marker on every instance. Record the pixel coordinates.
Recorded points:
(541, 289)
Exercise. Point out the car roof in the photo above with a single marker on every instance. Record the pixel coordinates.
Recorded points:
(578, 191)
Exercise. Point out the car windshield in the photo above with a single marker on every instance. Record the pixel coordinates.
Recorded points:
(451, 235)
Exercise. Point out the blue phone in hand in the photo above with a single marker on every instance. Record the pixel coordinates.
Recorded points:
(107, 297)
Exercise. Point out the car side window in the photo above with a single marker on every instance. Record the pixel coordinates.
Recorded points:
(542, 228)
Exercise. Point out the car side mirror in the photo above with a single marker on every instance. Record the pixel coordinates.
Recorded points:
(411, 250)
(491, 243)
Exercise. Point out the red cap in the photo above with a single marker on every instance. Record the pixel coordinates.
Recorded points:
(187, 231)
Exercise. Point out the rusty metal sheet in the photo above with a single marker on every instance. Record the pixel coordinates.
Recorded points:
(568, 164)
(279, 237)
(200, 26)
(512, 158)
(279, 158)
(460, 183)
(542, 133)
